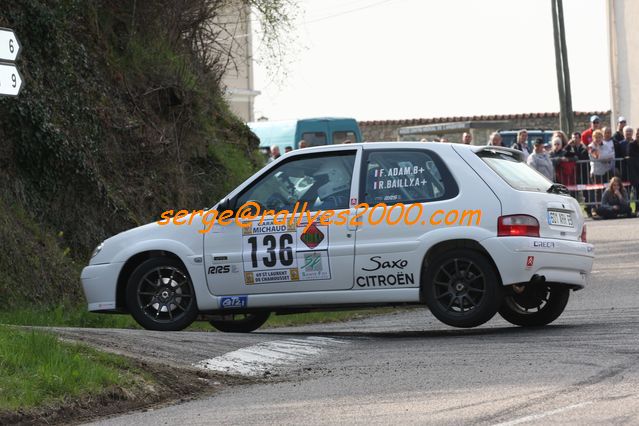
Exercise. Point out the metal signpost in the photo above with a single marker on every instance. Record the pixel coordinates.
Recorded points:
(10, 78)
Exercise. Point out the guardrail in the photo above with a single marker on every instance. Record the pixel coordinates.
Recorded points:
(587, 179)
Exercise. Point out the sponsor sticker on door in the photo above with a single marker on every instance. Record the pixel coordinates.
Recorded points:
(283, 253)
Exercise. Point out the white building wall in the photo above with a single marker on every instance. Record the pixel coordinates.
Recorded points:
(623, 25)
(238, 79)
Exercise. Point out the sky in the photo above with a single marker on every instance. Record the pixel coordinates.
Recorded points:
(402, 59)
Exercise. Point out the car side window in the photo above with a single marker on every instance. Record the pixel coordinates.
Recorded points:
(406, 176)
(323, 181)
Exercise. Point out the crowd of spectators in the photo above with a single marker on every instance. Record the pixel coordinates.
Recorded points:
(589, 162)
(596, 165)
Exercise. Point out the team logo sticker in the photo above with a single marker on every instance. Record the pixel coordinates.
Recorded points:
(233, 302)
(312, 237)
(314, 265)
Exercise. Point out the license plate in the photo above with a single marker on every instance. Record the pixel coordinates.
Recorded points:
(560, 218)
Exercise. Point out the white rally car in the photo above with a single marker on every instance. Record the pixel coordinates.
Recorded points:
(469, 231)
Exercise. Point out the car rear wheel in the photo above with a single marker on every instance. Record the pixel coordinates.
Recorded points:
(535, 305)
(240, 323)
(160, 295)
(462, 289)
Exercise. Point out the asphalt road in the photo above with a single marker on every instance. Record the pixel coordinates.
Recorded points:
(408, 368)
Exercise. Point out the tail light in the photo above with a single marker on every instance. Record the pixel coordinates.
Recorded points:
(517, 225)
(583, 235)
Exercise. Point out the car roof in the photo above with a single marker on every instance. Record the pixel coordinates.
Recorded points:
(435, 146)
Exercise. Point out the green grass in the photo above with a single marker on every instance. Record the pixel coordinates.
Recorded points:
(64, 316)
(79, 317)
(37, 369)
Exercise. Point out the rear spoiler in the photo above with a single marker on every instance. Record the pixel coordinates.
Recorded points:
(499, 149)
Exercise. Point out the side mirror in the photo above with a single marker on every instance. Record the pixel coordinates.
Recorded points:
(224, 204)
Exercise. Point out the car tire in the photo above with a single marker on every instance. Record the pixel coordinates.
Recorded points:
(536, 306)
(160, 295)
(462, 288)
(245, 323)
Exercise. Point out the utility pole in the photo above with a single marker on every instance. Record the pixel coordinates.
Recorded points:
(566, 116)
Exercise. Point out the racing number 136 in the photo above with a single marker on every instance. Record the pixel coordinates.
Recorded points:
(284, 252)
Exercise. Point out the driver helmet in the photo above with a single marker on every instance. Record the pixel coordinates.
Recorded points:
(339, 180)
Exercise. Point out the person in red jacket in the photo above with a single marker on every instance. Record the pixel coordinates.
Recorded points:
(595, 124)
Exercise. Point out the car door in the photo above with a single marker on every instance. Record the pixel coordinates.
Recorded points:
(415, 184)
(278, 252)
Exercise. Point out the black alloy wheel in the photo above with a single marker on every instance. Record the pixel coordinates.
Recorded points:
(160, 295)
(535, 305)
(240, 322)
(462, 289)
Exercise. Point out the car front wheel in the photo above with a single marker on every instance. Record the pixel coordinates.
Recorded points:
(461, 288)
(160, 295)
(240, 323)
(534, 305)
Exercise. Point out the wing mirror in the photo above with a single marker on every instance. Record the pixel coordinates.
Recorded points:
(224, 204)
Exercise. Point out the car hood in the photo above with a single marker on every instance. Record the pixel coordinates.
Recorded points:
(115, 248)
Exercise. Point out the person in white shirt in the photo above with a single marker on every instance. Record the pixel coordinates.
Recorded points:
(540, 160)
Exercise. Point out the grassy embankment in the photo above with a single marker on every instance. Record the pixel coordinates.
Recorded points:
(37, 369)
(79, 317)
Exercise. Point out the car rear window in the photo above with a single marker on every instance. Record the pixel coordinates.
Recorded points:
(516, 173)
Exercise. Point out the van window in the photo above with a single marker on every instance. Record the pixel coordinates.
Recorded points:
(315, 138)
(340, 137)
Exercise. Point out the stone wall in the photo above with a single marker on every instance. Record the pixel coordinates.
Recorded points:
(386, 130)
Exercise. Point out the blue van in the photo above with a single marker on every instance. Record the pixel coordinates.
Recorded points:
(509, 137)
(315, 131)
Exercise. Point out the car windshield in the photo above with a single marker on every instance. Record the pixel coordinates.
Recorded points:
(516, 173)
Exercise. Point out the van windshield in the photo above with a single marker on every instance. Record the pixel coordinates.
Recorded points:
(516, 173)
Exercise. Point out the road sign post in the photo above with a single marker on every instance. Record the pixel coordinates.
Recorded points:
(9, 45)
(10, 78)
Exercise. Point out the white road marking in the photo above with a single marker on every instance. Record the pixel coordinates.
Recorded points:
(257, 359)
(542, 415)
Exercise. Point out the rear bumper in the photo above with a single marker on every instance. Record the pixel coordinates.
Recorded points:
(99, 283)
(518, 259)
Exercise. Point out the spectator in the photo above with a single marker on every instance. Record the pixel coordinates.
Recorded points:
(303, 144)
(581, 157)
(619, 136)
(522, 143)
(600, 156)
(607, 132)
(561, 135)
(467, 138)
(622, 145)
(621, 152)
(633, 162)
(614, 202)
(275, 153)
(540, 161)
(288, 149)
(444, 139)
(557, 153)
(347, 141)
(563, 164)
(586, 135)
(494, 139)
